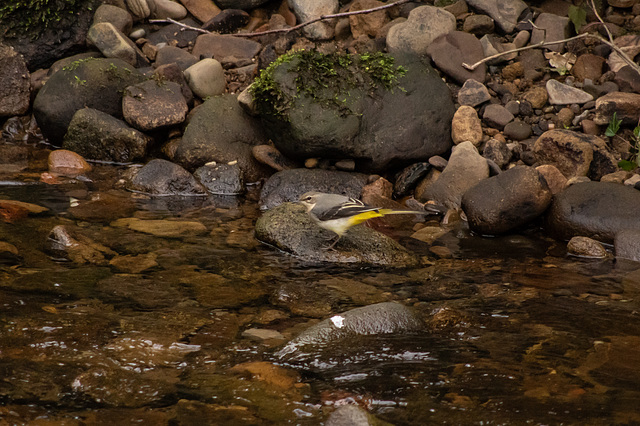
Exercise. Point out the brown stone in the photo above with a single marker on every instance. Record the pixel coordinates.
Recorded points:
(554, 177)
(588, 66)
(368, 23)
(68, 163)
(570, 152)
(625, 105)
(537, 97)
(203, 10)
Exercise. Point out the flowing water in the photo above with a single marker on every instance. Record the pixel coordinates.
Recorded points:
(129, 325)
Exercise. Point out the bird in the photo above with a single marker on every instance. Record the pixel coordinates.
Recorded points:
(337, 213)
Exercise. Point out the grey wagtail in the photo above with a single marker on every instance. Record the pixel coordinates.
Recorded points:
(338, 213)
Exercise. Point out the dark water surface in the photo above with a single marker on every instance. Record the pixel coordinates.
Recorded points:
(146, 329)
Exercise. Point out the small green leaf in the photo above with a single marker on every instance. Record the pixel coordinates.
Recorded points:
(614, 126)
(577, 16)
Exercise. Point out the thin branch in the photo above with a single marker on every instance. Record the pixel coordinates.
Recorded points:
(294, 28)
(593, 7)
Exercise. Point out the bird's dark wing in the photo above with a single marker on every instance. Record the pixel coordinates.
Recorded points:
(349, 208)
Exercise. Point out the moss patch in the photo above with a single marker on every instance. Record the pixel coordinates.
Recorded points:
(32, 17)
(326, 79)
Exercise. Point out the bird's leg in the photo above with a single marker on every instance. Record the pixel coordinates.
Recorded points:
(331, 247)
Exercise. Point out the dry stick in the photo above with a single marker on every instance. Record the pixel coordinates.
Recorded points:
(619, 51)
(297, 27)
(593, 7)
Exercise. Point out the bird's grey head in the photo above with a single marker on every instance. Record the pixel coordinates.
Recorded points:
(309, 199)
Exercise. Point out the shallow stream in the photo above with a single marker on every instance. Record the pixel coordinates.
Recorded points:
(141, 327)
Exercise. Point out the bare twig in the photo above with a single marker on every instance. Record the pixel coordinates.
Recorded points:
(294, 28)
(593, 7)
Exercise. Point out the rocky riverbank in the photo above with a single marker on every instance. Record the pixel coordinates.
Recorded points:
(376, 105)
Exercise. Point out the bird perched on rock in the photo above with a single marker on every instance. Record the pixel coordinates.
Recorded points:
(337, 213)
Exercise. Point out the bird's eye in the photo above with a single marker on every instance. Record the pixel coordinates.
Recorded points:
(308, 198)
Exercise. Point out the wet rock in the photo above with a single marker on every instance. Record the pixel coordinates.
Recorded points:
(113, 44)
(625, 105)
(9, 254)
(103, 207)
(114, 15)
(369, 23)
(289, 228)
(94, 83)
(206, 78)
(162, 228)
(262, 334)
(627, 244)
(168, 9)
(152, 104)
(77, 248)
(162, 177)
(221, 131)
(99, 136)
(227, 21)
(478, 25)
(554, 177)
(506, 201)
(269, 155)
(67, 163)
(466, 126)
(134, 264)
(497, 116)
(221, 179)
(451, 50)
(465, 169)
(230, 51)
(15, 86)
(351, 415)
(203, 10)
(498, 152)
(562, 94)
(175, 55)
(537, 97)
(504, 13)
(569, 151)
(289, 185)
(586, 247)
(407, 179)
(369, 134)
(473, 93)
(216, 291)
(122, 388)
(517, 130)
(306, 11)
(551, 27)
(377, 319)
(424, 25)
(597, 210)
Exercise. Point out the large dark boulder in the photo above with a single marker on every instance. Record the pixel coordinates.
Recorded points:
(598, 210)
(358, 107)
(94, 82)
(221, 131)
(506, 201)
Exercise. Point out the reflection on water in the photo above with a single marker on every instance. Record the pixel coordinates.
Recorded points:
(133, 327)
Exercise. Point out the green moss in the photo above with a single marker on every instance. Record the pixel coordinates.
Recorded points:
(32, 17)
(326, 79)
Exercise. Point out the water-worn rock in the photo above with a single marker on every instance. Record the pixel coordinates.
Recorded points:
(95, 83)
(289, 228)
(554, 177)
(571, 152)
(424, 25)
(221, 131)
(167, 9)
(175, 55)
(113, 44)
(627, 244)
(162, 228)
(473, 93)
(478, 25)
(364, 127)
(465, 169)
(162, 177)
(625, 105)
(466, 126)
(269, 155)
(153, 104)
(221, 179)
(230, 51)
(203, 10)
(206, 78)
(15, 83)
(289, 185)
(551, 27)
(67, 163)
(64, 242)
(506, 201)
(306, 11)
(98, 136)
(536, 96)
(517, 130)
(598, 210)
(351, 415)
(227, 21)
(588, 66)
(504, 12)
(562, 94)
(115, 15)
(586, 247)
(369, 23)
(451, 50)
(498, 152)
(497, 116)
(378, 319)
